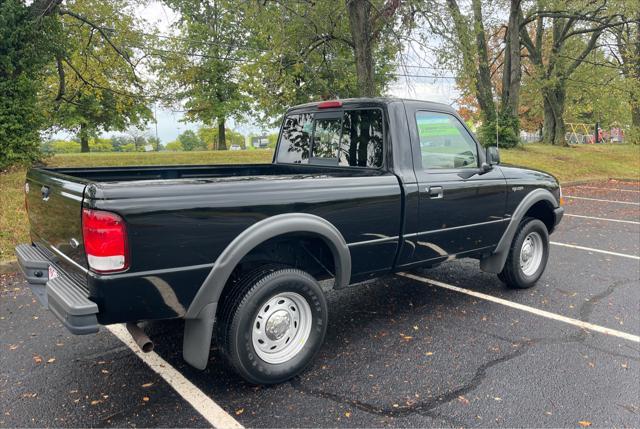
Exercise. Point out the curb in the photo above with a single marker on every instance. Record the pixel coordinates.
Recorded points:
(585, 181)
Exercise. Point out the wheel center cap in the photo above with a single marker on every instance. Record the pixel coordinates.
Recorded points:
(278, 325)
(526, 252)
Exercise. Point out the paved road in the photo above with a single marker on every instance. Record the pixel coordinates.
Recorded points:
(399, 352)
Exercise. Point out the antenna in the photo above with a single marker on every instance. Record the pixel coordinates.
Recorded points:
(497, 117)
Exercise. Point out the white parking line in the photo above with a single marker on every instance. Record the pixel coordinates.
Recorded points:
(532, 310)
(211, 411)
(589, 249)
(603, 201)
(633, 222)
(608, 189)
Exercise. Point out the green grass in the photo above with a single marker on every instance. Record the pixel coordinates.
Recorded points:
(578, 163)
(589, 162)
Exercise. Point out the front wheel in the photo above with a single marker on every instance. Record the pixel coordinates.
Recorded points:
(528, 255)
(274, 324)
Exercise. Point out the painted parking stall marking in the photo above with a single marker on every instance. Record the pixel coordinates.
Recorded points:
(212, 412)
(526, 308)
(590, 249)
(604, 219)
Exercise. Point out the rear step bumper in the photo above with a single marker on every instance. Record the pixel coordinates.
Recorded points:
(66, 299)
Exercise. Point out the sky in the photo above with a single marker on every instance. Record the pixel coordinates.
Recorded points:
(170, 124)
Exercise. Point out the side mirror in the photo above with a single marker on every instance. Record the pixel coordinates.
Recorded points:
(493, 155)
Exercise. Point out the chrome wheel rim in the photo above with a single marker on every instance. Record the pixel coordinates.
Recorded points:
(531, 254)
(281, 327)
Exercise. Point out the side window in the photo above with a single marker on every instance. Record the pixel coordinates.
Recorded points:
(295, 139)
(444, 142)
(361, 144)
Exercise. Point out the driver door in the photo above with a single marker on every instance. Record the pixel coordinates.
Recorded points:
(461, 208)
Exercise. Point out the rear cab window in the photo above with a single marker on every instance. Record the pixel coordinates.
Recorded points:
(444, 142)
(340, 138)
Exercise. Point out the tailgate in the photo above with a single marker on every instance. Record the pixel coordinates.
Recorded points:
(54, 205)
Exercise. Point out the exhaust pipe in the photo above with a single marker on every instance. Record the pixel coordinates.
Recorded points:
(141, 339)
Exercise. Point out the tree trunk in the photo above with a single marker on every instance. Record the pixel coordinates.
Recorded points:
(554, 126)
(635, 115)
(222, 136)
(512, 73)
(361, 35)
(84, 138)
(483, 80)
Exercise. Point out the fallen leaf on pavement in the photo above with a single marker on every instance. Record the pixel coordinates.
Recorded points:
(147, 384)
(239, 411)
(584, 423)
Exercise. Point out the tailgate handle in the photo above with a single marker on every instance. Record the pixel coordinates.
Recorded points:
(44, 191)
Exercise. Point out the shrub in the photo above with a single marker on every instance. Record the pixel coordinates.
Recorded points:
(508, 131)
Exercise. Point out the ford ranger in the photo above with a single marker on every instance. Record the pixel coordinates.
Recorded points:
(357, 189)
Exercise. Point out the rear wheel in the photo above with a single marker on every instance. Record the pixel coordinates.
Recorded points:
(528, 255)
(274, 324)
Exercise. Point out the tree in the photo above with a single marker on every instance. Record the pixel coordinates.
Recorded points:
(201, 68)
(93, 82)
(626, 55)
(23, 54)
(548, 50)
(175, 146)
(190, 141)
(305, 51)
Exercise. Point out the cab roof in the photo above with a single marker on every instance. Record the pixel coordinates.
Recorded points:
(375, 101)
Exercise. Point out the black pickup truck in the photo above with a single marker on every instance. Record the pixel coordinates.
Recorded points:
(357, 189)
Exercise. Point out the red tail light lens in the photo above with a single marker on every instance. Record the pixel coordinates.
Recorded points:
(105, 241)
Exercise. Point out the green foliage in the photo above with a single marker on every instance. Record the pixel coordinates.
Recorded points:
(129, 147)
(273, 140)
(174, 146)
(190, 141)
(92, 82)
(23, 48)
(100, 145)
(302, 51)
(64, 146)
(201, 64)
(508, 132)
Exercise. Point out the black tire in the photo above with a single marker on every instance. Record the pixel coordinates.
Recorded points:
(238, 314)
(512, 274)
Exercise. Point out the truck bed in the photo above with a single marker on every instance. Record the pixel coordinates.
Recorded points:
(170, 172)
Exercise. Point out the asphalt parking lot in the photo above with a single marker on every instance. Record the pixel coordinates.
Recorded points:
(399, 351)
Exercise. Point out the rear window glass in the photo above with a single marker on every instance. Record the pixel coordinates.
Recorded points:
(361, 143)
(353, 138)
(295, 139)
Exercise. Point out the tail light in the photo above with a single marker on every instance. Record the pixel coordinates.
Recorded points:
(329, 104)
(105, 241)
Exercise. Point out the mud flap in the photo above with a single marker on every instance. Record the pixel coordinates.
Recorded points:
(197, 337)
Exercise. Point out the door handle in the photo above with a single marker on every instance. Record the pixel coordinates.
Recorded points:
(434, 192)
